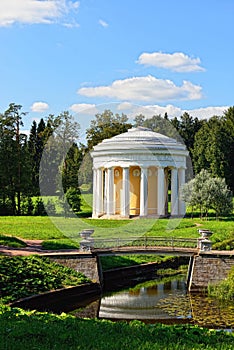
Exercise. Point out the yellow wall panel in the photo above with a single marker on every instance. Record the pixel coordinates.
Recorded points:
(135, 178)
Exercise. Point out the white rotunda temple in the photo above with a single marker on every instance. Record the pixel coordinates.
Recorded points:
(131, 172)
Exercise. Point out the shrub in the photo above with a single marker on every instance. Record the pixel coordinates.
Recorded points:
(25, 276)
(39, 208)
(227, 244)
(225, 289)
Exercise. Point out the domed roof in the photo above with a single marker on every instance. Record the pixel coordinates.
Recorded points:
(139, 137)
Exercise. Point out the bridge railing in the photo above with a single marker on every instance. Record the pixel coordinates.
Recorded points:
(152, 241)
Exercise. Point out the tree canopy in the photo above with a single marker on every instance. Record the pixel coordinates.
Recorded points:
(106, 125)
(205, 192)
(210, 144)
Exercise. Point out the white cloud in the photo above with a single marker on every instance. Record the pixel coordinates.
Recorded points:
(103, 23)
(84, 108)
(145, 89)
(125, 106)
(172, 111)
(35, 11)
(39, 107)
(207, 112)
(148, 111)
(178, 61)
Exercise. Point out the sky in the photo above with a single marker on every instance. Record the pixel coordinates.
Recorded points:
(129, 56)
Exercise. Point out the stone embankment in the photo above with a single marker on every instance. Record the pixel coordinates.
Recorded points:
(209, 268)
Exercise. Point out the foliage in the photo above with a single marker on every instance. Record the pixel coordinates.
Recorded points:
(112, 262)
(226, 244)
(60, 153)
(13, 154)
(71, 166)
(85, 173)
(33, 330)
(73, 198)
(210, 143)
(10, 241)
(225, 289)
(39, 208)
(214, 147)
(205, 192)
(27, 206)
(25, 276)
(106, 125)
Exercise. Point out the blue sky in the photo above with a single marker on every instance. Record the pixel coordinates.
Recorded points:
(88, 55)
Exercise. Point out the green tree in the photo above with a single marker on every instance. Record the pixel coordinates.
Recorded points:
(213, 147)
(14, 156)
(36, 143)
(163, 126)
(105, 126)
(206, 192)
(70, 171)
(73, 198)
(187, 128)
(85, 173)
(228, 121)
(139, 120)
(60, 133)
(39, 208)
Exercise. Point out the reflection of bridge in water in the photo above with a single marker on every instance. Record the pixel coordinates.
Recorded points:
(142, 303)
(166, 302)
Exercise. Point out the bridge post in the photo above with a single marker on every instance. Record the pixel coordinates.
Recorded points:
(87, 242)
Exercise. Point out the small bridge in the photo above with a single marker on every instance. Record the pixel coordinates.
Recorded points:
(143, 245)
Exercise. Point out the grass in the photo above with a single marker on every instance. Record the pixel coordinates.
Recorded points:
(9, 241)
(111, 262)
(22, 276)
(54, 229)
(29, 227)
(57, 229)
(42, 331)
(224, 290)
(57, 244)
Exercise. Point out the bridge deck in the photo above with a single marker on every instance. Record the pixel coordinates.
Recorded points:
(179, 251)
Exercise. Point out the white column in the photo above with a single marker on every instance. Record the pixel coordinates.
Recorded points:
(110, 192)
(174, 191)
(99, 192)
(182, 208)
(94, 212)
(143, 192)
(124, 204)
(161, 191)
(105, 190)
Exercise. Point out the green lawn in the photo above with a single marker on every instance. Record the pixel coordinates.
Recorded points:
(42, 331)
(60, 231)
(68, 230)
(29, 227)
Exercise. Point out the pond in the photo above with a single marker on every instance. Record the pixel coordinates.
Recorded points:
(164, 301)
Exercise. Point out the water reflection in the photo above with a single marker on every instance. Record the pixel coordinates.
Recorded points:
(142, 303)
(166, 302)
